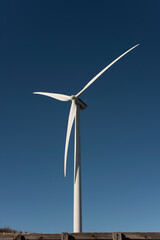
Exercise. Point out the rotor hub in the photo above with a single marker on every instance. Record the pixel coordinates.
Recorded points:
(73, 97)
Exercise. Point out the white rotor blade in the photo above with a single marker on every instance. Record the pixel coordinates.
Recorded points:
(69, 128)
(57, 96)
(99, 74)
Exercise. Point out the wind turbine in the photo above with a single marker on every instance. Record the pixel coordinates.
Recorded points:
(74, 113)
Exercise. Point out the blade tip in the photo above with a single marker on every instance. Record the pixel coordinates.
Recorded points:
(137, 45)
(64, 168)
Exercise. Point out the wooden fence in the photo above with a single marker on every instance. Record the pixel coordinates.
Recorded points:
(81, 236)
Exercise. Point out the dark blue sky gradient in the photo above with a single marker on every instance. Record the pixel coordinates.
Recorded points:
(58, 46)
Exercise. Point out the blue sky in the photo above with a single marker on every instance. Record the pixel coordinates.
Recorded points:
(58, 47)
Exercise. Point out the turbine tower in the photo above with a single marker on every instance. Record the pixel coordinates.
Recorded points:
(74, 114)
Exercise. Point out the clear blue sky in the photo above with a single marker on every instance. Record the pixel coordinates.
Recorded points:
(58, 46)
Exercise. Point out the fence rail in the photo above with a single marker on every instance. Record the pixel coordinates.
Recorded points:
(82, 236)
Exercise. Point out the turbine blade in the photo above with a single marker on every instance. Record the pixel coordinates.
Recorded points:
(100, 73)
(69, 128)
(57, 96)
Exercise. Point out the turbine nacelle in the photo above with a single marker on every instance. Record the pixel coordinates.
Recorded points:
(83, 105)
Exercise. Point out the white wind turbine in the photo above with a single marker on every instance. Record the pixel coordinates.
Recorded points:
(76, 105)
